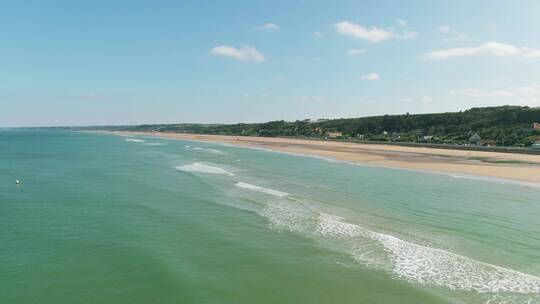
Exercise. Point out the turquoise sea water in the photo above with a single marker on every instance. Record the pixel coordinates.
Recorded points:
(100, 218)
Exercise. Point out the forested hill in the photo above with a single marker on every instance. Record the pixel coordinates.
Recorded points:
(503, 126)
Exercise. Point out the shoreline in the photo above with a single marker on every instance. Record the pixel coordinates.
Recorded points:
(523, 168)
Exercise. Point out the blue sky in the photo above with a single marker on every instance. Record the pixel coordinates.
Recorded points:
(130, 62)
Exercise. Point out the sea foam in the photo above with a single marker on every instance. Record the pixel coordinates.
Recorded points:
(155, 144)
(332, 226)
(136, 140)
(205, 150)
(405, 260)
(202, 168)
(497, 180)
(432, 266)
(428, 266)
(261, 189)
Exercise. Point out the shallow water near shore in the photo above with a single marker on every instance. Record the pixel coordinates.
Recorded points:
(108, 219)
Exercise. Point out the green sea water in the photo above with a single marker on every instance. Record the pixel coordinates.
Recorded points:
(100, 218)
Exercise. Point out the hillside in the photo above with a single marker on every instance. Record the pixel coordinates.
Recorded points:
(501, 126)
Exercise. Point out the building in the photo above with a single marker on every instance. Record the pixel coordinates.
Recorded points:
(475, 139)
(536, 125)
(334, 134)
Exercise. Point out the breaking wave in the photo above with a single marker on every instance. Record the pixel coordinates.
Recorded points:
(206, 150)
(155, 144)
(432, 266)
(405, 260)
(425, 265)
(136, 140)
(495, 180)
(261, 189)
(202, 168)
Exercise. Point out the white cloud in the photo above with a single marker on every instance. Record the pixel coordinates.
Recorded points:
(318, 34)
(532, 54)
(488, 48)
(445, 29)
(452, 35)
(268, 26)
(373, 34)
(401, 22)
(406, 35)
(244, 53)
(353, 52)
(371, 77)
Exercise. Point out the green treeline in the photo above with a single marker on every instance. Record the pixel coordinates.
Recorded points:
(502, 126)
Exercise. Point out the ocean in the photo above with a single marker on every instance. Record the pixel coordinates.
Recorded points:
(101, 218)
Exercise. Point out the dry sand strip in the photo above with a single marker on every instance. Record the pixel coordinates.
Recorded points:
(517, 167)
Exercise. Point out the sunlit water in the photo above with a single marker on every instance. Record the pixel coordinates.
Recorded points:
(100, 218)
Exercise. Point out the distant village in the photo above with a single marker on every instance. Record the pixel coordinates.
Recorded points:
(474, 138)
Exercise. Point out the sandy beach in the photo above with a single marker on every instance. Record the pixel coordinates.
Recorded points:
(516, 167)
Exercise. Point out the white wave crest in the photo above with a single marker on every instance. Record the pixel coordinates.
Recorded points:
(261, 189)
(136, 140)
(155, 144)
(431, 266)
(403, 259)
(202, 168)
(283, 217)
(206, 150)
(331, 225)
(497, 180)
(428, 266)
